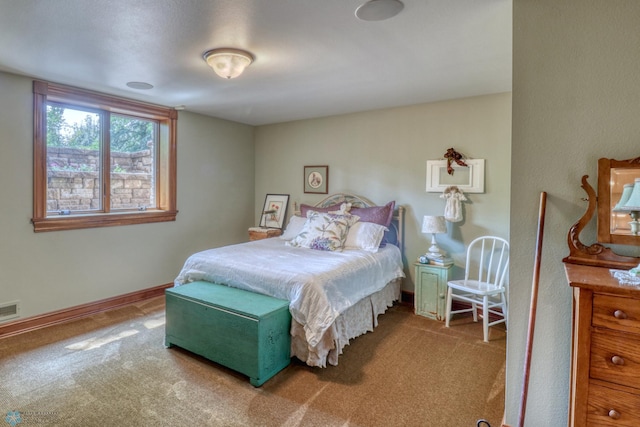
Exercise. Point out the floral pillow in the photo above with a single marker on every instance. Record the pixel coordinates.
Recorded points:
(324, 231)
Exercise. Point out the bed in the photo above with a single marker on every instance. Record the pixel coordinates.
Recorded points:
(334, 295)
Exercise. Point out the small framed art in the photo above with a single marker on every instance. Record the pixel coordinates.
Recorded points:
(274, 210)
(316, 179)
(469, 179)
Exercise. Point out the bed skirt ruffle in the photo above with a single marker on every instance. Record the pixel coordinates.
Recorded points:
(355, 321)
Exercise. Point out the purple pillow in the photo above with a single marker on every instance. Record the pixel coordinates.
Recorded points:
(377, 214)
(305, 208)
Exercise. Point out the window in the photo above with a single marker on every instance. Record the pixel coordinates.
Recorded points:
(100, 160)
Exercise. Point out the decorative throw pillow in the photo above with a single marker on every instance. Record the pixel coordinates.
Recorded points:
(295, 226)
(324, 231)
(377, 214)
(306, 208)
(365, 235)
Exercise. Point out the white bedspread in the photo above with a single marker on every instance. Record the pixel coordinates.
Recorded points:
(319, 285)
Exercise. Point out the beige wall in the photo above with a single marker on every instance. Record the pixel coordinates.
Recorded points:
(55, 270)
(576, 92)
(216, 183)
(382, 155)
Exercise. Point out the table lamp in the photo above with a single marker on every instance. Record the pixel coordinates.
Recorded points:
(434, 225)
(630, 203)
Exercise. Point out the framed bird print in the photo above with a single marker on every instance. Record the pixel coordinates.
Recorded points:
(316, 179)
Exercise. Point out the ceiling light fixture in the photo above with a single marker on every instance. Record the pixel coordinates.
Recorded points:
(228, 63)
(140, 85)
(379, 10)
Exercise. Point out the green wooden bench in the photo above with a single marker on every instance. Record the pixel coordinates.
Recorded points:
(241, 330)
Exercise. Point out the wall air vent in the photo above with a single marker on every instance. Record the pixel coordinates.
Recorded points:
(9, 310)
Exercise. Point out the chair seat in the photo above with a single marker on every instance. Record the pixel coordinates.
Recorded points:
(475, 286)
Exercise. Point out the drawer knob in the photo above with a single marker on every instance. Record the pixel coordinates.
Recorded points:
(614, 414)
(619, 314)
(617, 360)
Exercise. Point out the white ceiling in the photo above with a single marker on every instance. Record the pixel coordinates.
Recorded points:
(314, 58)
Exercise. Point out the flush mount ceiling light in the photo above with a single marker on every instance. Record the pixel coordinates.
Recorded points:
(379, 10)
(228, 63)
(140, 85)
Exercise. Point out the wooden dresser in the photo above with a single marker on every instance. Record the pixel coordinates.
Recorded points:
(605, 366)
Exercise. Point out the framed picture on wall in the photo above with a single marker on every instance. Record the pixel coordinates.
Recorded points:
(316, 179)
(274, 210)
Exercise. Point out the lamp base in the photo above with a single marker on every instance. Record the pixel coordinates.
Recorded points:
(435, 252)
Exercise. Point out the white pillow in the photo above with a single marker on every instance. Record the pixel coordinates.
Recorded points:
(295, 226)
(365, 235)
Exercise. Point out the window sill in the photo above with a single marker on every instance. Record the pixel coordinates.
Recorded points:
(73, 222)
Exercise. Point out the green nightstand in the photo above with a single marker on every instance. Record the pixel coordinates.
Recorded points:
(431, 290)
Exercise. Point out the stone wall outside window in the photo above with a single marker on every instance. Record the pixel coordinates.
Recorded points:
(73, 184)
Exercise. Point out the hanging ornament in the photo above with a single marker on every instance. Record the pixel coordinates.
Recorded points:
(453, 207)
(453, 156)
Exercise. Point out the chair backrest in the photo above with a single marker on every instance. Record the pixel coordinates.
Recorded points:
(488, 260)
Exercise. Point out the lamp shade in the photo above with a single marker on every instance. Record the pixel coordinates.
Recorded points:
(434, 224)
(633, 202)
(626, 193)
(228, 63)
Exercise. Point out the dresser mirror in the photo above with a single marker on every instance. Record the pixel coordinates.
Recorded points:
(618, 210)
(619, 201)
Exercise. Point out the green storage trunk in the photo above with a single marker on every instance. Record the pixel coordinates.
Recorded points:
(241, 330)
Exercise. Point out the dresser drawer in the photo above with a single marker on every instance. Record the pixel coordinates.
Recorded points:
(615, 357)
(619, 313)
(608, 406)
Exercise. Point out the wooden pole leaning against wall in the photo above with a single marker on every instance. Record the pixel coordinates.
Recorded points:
(533, 308)
(532, 317)
(532, 312)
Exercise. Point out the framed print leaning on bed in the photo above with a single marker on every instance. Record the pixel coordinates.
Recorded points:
(274, 210)
(316, 179)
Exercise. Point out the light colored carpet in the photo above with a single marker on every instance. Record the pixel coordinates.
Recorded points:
(113, 370)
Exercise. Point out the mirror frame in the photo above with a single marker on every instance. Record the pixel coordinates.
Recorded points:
(604, 201)
(597, 254)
